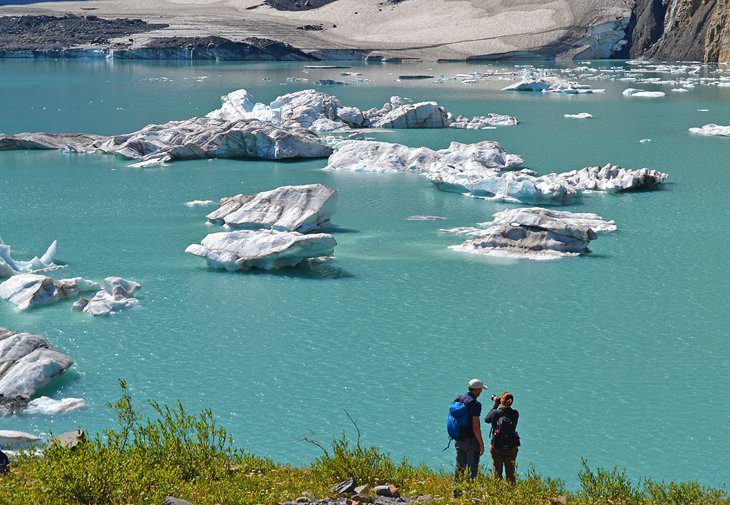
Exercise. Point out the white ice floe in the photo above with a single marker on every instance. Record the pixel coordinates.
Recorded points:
(580, 115)
(27, 363)
(534, 233)
(645, 141)
(640, 93)
(10, 266)
(287, 208)
(613, 179)
(264, 249)
(712, 130)
(16, 439)
(27, 290)
(425, 218)
(199, 203)
(368, 156)
(551, 85)
(48, 406)
(118, 294)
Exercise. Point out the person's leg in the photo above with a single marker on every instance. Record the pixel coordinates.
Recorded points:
(497, 462)
(473, 459)
(461, 454)
(510, 457)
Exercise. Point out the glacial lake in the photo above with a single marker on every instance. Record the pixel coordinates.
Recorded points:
(620, 357)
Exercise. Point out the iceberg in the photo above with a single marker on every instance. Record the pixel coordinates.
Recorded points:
(264, 249)
(534, 233)
(28, 290)
(640, 93)
(16, 439)
(287, 208)
(580, 115)
(48, 406)
(199, 203)
(613, 179)
(10, 267)
(118, 294)
(27, 363)
(712, 130)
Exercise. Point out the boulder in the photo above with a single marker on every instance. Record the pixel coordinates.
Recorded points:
(264, 249)
(27, 290)
(70, 439)
(287, 208)
(345, 487)
(171, 500)
(534, 233)
(388, 490)
(9, 266)
(27, 363)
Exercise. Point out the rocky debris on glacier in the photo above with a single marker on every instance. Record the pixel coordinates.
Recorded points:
(534, 233)
(27, 363)
(580, 115)
(118, 294)
(710, 130)
(640, 93)
(10, 267)
(287, 208)
(318, 111)
(369, 156)
(28, 290)
(264, 249)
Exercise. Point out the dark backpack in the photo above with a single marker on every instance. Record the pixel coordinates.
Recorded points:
(458, 416)
(4, 462)
(504, 435)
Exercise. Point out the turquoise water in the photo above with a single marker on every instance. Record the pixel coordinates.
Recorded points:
(620, 357)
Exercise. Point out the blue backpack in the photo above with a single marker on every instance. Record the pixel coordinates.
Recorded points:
(458, 416)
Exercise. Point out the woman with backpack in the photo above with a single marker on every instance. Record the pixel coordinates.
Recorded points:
(505, 440)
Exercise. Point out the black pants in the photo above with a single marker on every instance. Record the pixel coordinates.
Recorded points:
(506, 458)
(467, 455)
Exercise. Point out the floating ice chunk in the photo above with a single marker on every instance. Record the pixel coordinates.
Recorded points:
(27, 290)
(613, 179)
(425, 218)
(645, 141)
(640, 93)
(48, 406)
(199, 203)
(535, 233)
(265, 249)
(118, 294)
(16, 439)
(712, 130)
(287, 208)
(488, 122)
(679, 90)
(580, 115)
(27, 363)
(9, 266)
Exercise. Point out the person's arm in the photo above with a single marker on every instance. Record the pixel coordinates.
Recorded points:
(476, 425)
(490, 417)
(517, 418)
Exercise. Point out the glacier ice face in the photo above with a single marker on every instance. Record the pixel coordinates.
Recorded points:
(48, 406)
(27, 290)
(27, 363)
(712, 130)
(264, 249)
(534, 233)
(287, 208)
(118, 294)
(9, 266)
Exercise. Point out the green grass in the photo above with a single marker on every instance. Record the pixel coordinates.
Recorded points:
(190, 456)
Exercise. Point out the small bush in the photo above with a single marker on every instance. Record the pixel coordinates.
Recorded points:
(606, 485)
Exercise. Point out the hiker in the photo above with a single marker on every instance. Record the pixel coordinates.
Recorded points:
(469, 442)
(505, 440)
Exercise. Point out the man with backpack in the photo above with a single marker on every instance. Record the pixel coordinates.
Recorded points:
(505, 440)
(463, 426)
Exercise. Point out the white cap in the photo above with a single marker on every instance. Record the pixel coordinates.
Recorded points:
(476, 384)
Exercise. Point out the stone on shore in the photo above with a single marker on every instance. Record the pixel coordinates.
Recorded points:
(264, 249)
(287, 208)
(27, 290)
(535, 233)
(27, 363)
(10, 266)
